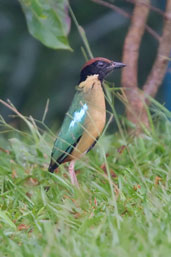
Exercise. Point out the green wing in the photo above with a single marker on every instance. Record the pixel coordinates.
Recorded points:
(71, 131)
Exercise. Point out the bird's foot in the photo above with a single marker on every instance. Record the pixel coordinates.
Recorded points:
(73, 177)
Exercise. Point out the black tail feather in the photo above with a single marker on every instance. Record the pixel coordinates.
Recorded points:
(52, 166)
(55, 164)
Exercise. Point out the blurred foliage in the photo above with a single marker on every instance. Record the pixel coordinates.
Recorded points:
(31, 73)
(48, 21)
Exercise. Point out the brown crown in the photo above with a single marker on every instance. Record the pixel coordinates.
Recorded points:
(95, 60)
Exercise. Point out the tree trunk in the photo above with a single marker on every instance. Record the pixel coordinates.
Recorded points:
(137, 100)
(135, 107)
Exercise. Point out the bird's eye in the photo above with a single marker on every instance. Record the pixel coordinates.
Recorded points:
(100, 64)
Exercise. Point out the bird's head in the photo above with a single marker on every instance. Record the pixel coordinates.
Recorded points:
(99, 66)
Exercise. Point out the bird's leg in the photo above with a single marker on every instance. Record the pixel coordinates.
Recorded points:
(72, 174)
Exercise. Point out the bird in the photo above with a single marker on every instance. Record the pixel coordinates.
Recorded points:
(86, 117)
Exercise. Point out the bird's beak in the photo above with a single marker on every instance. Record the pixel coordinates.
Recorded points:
(114, 65)
(117, 65)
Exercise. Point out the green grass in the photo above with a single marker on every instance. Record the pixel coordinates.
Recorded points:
(95, 220)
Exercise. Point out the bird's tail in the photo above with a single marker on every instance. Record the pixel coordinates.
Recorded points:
(52, 166)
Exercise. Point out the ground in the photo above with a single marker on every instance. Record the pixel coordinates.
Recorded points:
(122, 208)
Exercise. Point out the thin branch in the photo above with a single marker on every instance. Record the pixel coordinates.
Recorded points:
(113, 7)
(153, 8)
(153, 33)
(155, 78)
(127, 15)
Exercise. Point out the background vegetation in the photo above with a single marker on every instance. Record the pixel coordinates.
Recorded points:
(123, 205)
(32, 73)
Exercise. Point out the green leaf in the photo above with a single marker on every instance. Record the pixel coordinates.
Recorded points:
(48, 21)
(6, 219)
